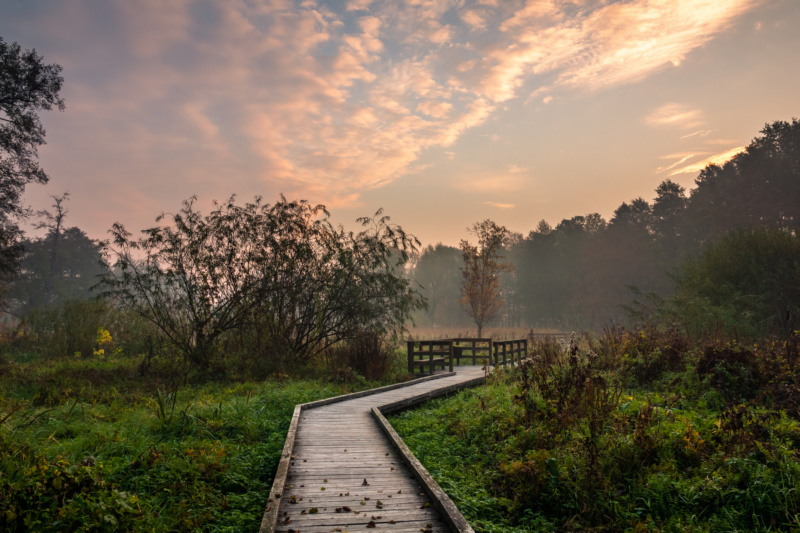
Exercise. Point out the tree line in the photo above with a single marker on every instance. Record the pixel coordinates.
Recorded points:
(587, 271)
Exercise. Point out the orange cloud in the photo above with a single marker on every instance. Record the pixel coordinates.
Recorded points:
(717, 159)
(675, 115)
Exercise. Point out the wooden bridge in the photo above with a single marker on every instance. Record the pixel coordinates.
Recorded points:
(344, 469)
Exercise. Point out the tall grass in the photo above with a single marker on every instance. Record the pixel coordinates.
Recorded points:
(632, 431)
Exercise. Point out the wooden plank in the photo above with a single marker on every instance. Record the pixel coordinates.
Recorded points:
(335, 442)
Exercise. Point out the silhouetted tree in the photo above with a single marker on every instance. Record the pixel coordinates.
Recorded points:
(437, 273)
(283, 269)
(481, 272)
(27, 85)
(48, 280)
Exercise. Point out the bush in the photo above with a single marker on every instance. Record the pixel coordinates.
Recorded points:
(732, 370)
(40, 494)
(368, 354)
(282, 277)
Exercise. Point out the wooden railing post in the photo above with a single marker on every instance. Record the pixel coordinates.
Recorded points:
(450, 349)
(410, 345)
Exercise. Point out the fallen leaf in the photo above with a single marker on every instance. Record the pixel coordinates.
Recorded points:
(346, 509)
(322, 488)
(313, 510)
(371, 524)
(365, 484)
(426, 504)
(287, 521)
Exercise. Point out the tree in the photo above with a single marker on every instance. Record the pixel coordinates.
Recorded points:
(747, 284)
(282, 270)
(481, 294)
(27, 85)
(437, 273)
(48, 280)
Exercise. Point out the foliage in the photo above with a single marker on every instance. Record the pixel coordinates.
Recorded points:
(481, 292)
(368, 354)
(27, 85)
(281, 274)
(580, 437)
(110, 450)
(748, 284)
(50, 276)
(437, 272)
(578, 273)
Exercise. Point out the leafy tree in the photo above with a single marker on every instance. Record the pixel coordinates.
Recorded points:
(481, 290)
(27, 85)
(747, 284)
(759, 186)
(48, 279)
(283, 270)
(63, 265)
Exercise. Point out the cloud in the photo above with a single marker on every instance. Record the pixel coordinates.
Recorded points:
(593, 48)
(499, 205)
(489, 183)
(717, 159)
(435, 109)
(675, 115)
(701, 133)
(514, 169)
(678, 159)
(327, 100)
(473, 19)
(358, 5)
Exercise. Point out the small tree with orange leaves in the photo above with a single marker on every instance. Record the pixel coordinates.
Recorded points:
(481, 295)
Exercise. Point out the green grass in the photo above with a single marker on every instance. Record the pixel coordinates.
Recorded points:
(90, 445)
(663, 442)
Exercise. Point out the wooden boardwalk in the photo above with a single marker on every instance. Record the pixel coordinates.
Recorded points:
(346, 476)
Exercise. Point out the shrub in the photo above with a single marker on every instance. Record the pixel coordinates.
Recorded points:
(368, 354)
(282, 271)
(732, 370)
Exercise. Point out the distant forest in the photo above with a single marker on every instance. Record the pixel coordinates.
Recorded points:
(587, 272)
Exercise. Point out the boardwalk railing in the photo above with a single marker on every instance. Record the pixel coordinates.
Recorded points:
(510, 352)
(451, 352)
(432, 353)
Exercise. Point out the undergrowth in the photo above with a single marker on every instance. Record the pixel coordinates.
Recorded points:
(93, 444)
(632, 431)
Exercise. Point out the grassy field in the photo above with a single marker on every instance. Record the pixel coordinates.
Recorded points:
(91, 444)
(639, 431)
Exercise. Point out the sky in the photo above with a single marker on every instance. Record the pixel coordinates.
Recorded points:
(441, 112)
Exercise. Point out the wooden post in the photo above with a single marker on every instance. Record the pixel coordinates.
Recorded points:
(450, 349)
(410, 345)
